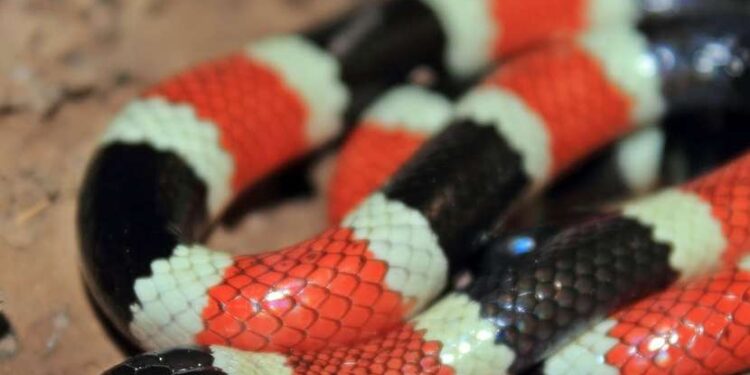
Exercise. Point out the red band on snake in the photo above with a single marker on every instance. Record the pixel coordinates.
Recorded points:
(176, 157)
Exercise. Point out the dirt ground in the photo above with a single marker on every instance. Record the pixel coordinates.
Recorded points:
(66, 66)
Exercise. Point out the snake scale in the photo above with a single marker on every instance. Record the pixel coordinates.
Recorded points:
(423, 187)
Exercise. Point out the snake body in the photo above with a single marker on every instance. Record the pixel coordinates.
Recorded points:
(512, 315)
(337, 302)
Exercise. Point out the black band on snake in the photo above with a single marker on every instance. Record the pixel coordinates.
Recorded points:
(359, 296)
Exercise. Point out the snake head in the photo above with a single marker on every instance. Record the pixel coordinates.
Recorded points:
(183, 361)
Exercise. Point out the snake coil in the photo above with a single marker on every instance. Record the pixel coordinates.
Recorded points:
(422, 186)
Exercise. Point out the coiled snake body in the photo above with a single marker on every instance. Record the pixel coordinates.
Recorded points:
(359, 297)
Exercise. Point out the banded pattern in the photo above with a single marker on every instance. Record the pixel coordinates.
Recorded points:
(518, 311)
(387, 259)
(615, 87)
(635, 165)
(176, 156)
(576, 275)
(697, 328)
(172, 298)
(349, 282)
(612, 73)
(192, 140)
(587, 270)
(232, 91)
(537, 100)
(480, 31)
(318, 293)
(194, 131)
(692, 327)
(389, 134)
(644, 160)
(413, 348)
(269, 302)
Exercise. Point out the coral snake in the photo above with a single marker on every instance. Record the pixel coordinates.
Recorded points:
(422, 188)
